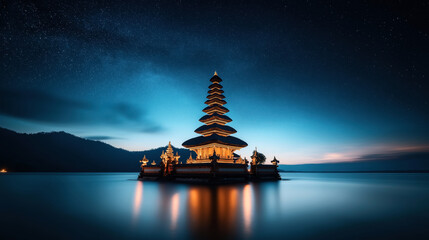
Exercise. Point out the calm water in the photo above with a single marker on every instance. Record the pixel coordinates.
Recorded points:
(302, 206)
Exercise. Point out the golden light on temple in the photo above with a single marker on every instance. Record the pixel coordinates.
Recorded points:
(247, 208)
(138, 197)
(215, 159)
(169, 156)
(215, 133)
(3, 170)
(144, 161)
(174, 210)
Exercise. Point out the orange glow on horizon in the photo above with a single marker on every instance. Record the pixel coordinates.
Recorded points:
(4, 170)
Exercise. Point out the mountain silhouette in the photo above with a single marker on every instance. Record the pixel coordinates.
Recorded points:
(64, 152)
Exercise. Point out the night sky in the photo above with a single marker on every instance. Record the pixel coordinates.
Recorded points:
(306, 81)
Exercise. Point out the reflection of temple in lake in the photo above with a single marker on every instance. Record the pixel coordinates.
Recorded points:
(213, 210)
(207, 212)
(215, 148)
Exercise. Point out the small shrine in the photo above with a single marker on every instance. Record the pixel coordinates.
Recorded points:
(255, 157)
(168, 156)
(275, 161)
(144, 161)
(190, 159)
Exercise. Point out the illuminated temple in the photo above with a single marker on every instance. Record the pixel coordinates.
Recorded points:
(215, 133)
(215, 159)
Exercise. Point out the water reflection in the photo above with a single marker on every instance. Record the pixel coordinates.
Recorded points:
(138, 197)
(225, 211)
(247, 208)
(213, 211)
(306, 207)
(174, 210)
(309, 206)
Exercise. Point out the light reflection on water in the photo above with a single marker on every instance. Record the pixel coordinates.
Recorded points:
(247, 208)
(138, 199)
(174, 210)
(305, 206)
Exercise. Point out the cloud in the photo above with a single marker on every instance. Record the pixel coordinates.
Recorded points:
(396, 153)
(39, 106)
(99, 138)
(396, 156)
(128, 111)
(383, 161)
(152, 129)
(335, 157)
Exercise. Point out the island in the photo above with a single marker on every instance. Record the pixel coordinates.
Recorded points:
(215, 160)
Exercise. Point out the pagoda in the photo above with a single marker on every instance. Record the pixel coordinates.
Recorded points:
(215, 133)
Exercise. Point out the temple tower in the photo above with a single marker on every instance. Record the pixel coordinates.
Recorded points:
(168, 155)
(215, 134)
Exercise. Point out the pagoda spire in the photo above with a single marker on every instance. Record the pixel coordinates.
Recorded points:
(169, 148)
(215, 131)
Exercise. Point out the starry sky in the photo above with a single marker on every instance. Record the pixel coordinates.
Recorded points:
(305, 81)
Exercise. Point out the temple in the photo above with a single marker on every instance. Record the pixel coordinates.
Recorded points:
(215, 159)
(215, 133)
(168, 156)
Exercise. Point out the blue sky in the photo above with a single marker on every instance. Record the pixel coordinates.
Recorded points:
(304, 81)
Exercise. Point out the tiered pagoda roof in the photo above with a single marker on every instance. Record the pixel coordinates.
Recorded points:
(214, 129)
(215, 118)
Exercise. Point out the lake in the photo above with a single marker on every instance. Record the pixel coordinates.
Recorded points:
(301, 206)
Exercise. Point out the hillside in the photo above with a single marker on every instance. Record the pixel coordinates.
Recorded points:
(64, 152)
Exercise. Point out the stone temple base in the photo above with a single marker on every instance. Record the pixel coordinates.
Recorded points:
(209, 172)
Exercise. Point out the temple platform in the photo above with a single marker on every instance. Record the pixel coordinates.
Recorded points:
(210, 172)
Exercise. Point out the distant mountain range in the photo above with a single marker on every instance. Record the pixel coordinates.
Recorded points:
(64, 152)
(389, 162)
